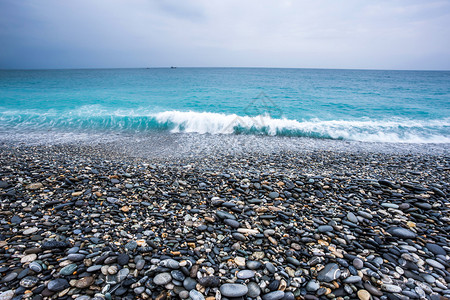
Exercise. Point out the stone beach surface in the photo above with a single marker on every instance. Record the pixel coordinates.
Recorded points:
(81, 222)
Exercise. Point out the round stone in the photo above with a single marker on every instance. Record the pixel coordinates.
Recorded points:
(189, 283)
(35, 266)
(177, 275)
(358, 263)
(162, 278)
(363, 295)
(233, 290)
(312, 286)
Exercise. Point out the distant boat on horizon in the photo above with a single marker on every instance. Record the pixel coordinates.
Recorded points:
(172, 67)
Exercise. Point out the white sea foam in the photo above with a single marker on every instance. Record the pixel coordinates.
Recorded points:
(396, 130)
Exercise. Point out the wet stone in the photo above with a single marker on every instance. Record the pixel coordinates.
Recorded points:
(68, 270)
(276, 295)
(436, 249)
(402, 233)
(329, 273)
(57, 285)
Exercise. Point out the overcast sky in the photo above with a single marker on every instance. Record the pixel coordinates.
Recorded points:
(378, 34)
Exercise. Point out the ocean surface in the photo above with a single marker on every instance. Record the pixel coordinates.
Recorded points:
(351, 105)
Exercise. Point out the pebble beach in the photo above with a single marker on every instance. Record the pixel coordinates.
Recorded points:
(84, 222)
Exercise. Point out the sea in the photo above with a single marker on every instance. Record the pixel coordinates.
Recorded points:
(207, 104)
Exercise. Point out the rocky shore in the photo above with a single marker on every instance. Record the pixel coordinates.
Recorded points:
(84, 223)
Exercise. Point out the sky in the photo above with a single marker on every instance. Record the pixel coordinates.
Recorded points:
(350, 34)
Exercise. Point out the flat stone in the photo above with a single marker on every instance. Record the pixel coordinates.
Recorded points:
(401, 232)
(352, 279)
(209, 281)
(28, 258)
(57, 285)
(313, 286)
(84, 282)
(170, 263)
(275, 295)
(245, 274)
(123, 259)
(76, 257)
(7, 295)
(29, 282)
(293, 261)
(253, 264)
(253, 290)
(233, 290)
(329, 273)
(35, 266)
(31, 230)
(225, 215)
(435, 264)
(391, 288)
(34, 186)
(352, 218)
(68, 270)
(436, 249)
(325, 228)
(189, 283)
(196, 295)
(162, 278)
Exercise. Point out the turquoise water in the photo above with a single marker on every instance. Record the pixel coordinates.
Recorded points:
(362, 105)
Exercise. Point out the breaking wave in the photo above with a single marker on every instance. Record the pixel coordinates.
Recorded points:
(396, 130)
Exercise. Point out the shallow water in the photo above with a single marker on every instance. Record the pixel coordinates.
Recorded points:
(354, 105)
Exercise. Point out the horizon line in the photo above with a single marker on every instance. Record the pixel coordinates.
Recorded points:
(217, 67)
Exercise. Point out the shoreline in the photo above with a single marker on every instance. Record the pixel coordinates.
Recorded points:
(107, 220)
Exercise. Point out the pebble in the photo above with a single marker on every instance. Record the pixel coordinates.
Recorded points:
(401, 233)
(329, 273)
(233, 290)
(57, 285)
(250, 228)
(276, 295)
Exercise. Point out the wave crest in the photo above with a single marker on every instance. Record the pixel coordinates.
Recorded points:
(89, 117)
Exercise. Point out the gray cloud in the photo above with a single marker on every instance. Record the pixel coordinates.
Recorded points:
(402, 34)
